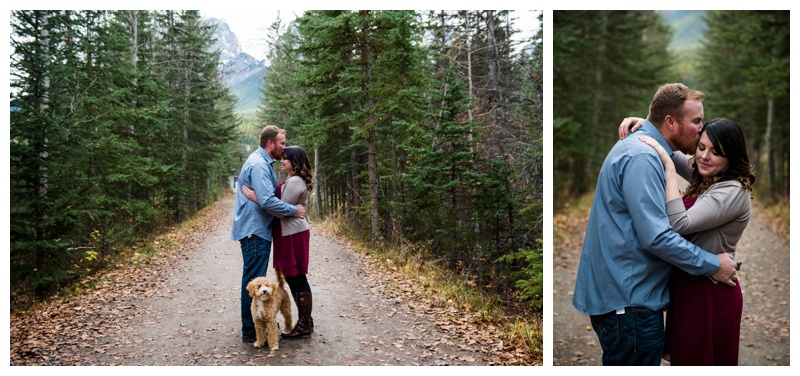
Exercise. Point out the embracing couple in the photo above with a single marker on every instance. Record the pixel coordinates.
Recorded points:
(650, 249)
(268, 214)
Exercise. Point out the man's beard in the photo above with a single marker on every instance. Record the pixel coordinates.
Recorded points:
(686, 146)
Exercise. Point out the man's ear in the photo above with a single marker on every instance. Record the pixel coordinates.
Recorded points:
(670, 122)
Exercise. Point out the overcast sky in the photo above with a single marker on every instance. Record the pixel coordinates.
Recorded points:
(250, 26)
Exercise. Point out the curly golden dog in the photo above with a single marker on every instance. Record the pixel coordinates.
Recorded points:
(268, 298)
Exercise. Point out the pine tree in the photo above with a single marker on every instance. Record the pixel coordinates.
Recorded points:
(421, 143)
(37, 110)
(401, 80)
(95, 96)
(745, 72)
(606, 66)
(82, 207)
(314, 63)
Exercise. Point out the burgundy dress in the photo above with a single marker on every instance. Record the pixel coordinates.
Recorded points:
(289, 253)
(703, 319)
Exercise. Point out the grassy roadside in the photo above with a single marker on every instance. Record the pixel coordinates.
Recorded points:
(777, 214)
(521, 333)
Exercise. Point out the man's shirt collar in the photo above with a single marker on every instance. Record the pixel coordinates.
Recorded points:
(266, 156)
(653, 132)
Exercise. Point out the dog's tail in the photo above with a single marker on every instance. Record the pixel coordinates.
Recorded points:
(279, 276)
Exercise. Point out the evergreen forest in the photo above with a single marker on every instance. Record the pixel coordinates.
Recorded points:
(424, 128)
(120, 128)
(608, 64)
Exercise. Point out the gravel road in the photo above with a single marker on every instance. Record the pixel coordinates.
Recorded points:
(184, 310)
(764, 338)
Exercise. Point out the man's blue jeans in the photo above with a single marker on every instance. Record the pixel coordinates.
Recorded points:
(633, 338)
(255, 257)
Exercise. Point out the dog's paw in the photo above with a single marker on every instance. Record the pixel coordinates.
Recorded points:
(258, 344)
(273, 348)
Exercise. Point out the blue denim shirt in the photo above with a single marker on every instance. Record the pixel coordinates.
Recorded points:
(629, 247)
(249, 217)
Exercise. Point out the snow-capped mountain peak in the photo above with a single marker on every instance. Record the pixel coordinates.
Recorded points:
(241, 72)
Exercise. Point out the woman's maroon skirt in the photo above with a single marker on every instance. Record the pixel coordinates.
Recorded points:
(290, 253)
(703, 321)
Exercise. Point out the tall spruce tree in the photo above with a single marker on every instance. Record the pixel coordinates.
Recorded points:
(317, 58)
(401, 78)
(82, 197)
(39, 117)
(745, 71)
(430, 142)
(606, 66)
(92, 137)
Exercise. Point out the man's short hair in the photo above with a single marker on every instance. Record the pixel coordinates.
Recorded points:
(669, 100)
(268, 134)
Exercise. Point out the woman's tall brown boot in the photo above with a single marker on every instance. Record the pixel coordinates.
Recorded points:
(305, 324)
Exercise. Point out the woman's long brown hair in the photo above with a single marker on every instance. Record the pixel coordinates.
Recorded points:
(728, 140)
(300, 164)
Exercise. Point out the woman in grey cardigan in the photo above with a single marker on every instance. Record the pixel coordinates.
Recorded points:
(291, 236)
(704, 317)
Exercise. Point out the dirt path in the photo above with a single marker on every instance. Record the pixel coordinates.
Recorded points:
(184, 310)
(765, 286)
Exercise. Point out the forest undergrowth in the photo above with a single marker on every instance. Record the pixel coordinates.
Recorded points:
(777, 213)
(155, 245)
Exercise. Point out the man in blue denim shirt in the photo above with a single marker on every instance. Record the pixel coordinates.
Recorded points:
(629, 245)
(252, 222)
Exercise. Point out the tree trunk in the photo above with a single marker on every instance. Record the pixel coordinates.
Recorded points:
(317, 184)
(470, 118)
(372, 160)
(768, 144)
(590, 163)
(495, 78)
(41, 188)
(132, 17)
(469, 76)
